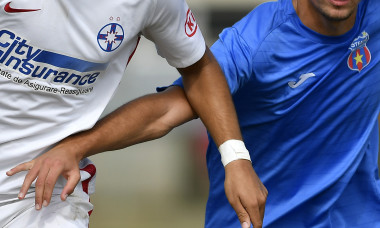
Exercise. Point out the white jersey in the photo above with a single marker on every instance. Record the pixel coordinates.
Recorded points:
(61, 61)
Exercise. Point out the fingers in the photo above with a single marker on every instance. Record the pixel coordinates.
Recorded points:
(245, 225)
(29, 178)
(72, 181)
(40, 187)
(247, 214)
(22, 167)
(262, 202)
(46, 176)
(246, 193)
(256, 209)
(256, 215)
(48, 185)
(242, 214)
(263, 199)
(45, 171)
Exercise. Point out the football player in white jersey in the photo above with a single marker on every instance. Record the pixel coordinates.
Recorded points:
(60, 63)
(308, 111)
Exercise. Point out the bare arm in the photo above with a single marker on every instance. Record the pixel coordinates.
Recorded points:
(146, 118)
(208, 93)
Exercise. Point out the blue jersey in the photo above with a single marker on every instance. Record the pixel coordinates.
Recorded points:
(307, 106)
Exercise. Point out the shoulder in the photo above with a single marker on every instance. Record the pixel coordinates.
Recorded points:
(167, 10)
(258, 24)
(369, 7)
(169, 5)
(263, 19)
(368, 14)
(370, 4)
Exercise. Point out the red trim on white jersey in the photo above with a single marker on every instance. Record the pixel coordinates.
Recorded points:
(137, 44)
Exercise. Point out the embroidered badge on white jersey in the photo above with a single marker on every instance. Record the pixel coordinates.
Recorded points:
(110, 37)
(360, 55)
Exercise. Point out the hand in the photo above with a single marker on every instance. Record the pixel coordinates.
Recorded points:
(245, 192)
(47, 168)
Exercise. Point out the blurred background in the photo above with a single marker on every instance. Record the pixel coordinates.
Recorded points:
(161, 183)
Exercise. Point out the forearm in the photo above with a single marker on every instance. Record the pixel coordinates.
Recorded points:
(209, 95)
(143, 119)
(140, 120)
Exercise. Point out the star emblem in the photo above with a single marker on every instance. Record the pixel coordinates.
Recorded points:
(110, 37)
(358, 58)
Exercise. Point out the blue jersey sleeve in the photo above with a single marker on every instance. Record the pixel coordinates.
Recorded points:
(234, 57)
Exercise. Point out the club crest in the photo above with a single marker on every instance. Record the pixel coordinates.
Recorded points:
(110, 37)
(360, 55)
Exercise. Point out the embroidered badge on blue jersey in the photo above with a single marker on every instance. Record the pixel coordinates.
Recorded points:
(360, 55)
(110, 37)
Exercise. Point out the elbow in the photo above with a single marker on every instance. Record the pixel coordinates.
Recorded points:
(158, 131)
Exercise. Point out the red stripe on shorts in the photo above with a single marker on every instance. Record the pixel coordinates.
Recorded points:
(91, 169)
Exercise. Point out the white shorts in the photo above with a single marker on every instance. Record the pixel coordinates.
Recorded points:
(72, 213)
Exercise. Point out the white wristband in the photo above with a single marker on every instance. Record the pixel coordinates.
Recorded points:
(232, 150)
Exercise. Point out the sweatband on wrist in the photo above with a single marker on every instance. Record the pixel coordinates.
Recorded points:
(232, 150)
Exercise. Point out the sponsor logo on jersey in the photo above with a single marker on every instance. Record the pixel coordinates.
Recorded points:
(110, 37)
(360, 55)
(9, 9)
(36, 67)
(302, 79)
(190, 24)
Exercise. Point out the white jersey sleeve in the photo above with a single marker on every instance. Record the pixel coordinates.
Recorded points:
(177, 36)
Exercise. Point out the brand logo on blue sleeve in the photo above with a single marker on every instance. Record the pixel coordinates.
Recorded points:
(360, 55)
(110, 37)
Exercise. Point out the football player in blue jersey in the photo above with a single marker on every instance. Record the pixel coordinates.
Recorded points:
(47, 71)
(304, 75)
